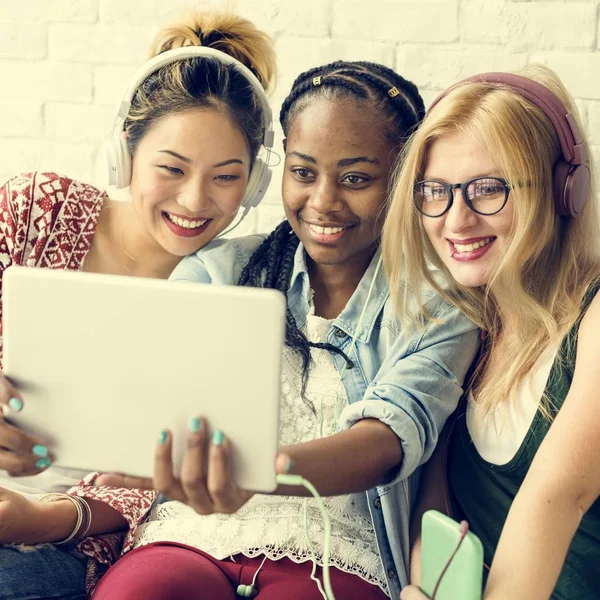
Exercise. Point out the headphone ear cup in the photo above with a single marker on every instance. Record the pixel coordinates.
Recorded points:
(577, 189)
(258, 183)
(571, 188)
(118, 159)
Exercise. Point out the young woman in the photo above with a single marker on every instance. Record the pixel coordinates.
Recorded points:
(497, 192)
(363, 400)
(193, 131)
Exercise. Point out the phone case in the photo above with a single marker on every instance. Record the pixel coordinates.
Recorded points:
(464, 576)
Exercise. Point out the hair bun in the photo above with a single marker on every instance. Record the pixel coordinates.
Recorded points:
(225, 32)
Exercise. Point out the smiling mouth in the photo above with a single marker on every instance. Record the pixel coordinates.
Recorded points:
(185, 223)
(326, 230)
(462, 248)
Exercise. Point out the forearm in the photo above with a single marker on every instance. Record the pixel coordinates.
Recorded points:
(532, 547)
(432, 496)
(61, 517)
(351, 461)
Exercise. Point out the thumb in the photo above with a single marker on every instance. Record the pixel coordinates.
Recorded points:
(110, 480)
(283, 464)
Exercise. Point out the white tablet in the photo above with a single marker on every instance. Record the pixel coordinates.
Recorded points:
(106, 362)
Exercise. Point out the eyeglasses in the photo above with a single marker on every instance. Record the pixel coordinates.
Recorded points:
(483, 195)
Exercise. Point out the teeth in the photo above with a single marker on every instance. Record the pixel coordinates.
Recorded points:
(325, 230)
(185, 223)
(474, 246)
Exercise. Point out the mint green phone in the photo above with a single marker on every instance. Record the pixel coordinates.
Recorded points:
(440, 536)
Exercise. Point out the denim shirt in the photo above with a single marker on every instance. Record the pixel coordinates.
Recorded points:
(409, 380)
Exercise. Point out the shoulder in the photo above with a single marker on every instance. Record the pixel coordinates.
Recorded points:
(444, 334)
(40, 192)
(220, 261)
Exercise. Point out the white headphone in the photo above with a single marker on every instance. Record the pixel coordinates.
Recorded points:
(117, 152)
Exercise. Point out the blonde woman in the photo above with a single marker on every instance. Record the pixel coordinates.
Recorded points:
(497, 192)
(191, 138)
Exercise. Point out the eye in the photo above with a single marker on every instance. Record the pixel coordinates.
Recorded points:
(487, 188)
(173, 170)
(354, 179)
(301, 173)
(227, 178)
(430, 191)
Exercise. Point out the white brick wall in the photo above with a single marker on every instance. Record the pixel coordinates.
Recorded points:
(65, 63)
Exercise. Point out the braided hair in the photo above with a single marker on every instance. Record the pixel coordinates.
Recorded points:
(401, 108)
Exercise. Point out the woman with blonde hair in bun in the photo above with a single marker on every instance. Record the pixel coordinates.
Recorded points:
(195, 123)
(497, 191)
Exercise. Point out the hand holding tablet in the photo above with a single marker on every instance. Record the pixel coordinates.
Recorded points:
(111, 361)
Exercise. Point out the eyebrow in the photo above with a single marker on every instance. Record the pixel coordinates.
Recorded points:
(490, 173)
(189, 160)
(344, 162)
(305, 157)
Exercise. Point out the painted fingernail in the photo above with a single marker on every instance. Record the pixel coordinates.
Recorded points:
(15, 404)
(288, 465)
(195, 424)
(40, 450)
(162, 437)
(43, 463)
(217, 438)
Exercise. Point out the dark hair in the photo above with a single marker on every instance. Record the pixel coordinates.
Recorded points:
(204, 82)
(401, 108)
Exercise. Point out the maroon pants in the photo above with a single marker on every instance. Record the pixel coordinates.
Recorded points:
(170, 571)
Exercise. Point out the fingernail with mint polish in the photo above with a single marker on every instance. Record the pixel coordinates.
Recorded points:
(43, 463)
(288, 465)
(217, 438)
(162, 437)
(40, 450)
(15, 404)
(195, 424)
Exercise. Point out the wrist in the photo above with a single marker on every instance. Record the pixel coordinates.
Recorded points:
(58, 519)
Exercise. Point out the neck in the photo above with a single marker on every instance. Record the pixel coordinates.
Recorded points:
(135, 250)
(506, 309)
(334, 285)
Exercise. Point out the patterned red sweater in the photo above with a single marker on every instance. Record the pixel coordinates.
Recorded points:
(47, 220)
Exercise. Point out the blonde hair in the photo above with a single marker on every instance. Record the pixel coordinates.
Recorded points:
(203, 82)
(525, 146)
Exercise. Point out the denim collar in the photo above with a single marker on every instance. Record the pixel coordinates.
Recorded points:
(347, 321)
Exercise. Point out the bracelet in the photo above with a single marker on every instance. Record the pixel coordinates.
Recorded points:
(84, 515)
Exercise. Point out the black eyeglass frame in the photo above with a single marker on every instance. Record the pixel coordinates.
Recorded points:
(450, 187)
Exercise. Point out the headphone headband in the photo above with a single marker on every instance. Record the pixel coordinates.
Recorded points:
(117, 153)
(177, 54)
(571, 172)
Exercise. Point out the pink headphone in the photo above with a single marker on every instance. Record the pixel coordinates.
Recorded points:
(571, 178)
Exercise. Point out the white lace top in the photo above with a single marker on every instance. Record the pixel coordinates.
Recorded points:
(274, 525)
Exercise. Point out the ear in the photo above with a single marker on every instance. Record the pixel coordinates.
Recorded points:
(285, 144)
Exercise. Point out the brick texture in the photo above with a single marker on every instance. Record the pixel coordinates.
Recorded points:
(65, 63)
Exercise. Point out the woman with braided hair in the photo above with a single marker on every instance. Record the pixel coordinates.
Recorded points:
(363, 399)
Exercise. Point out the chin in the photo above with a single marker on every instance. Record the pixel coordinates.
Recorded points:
(176, 248)
(324, 256)
(471, 278)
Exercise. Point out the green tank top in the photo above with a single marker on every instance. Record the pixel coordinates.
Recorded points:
(482, 493)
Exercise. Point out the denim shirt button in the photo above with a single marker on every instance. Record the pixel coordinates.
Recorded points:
(377, 503)
(338, 332)
(391, 574)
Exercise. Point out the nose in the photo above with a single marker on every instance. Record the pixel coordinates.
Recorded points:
(460, 216)
(194, 195)
(324, 197)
